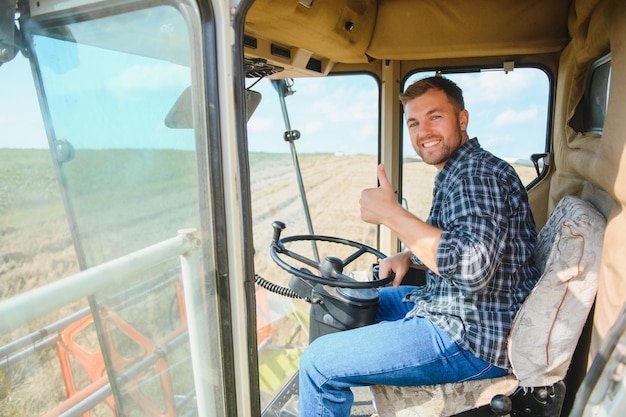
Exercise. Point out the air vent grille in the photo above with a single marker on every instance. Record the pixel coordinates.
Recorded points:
(314, 65)
(258, 67)
(250, 42)
(280, 51)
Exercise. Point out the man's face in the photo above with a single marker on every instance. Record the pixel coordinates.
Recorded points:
(436, 129)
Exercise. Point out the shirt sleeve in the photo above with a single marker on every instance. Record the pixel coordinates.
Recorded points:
(416, 261)
(474, 232)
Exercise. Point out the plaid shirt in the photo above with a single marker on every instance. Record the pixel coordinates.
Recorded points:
(485, 256)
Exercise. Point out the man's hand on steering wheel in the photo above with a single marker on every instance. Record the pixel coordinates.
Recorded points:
(395, 265)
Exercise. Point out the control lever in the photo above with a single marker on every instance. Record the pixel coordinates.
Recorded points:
(278, 228)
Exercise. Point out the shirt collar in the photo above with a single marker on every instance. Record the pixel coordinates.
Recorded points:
(461, 153)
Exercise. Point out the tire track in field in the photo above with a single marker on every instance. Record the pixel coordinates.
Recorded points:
(333, 185)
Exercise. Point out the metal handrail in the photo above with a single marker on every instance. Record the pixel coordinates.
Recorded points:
(32, 339)
(25, 307)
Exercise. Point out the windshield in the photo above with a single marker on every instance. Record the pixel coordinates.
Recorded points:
(116, 155)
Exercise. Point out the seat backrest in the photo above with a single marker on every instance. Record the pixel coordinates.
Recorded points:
(547, 327)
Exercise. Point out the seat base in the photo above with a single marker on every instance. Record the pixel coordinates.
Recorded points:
(471, 399)
(539, 402)
(435, 400)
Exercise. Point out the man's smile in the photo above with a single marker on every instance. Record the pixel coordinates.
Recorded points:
(431, 143)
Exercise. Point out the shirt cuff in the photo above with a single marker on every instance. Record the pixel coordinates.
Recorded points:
(415, 260)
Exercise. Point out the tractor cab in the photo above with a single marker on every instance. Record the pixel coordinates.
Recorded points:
(179, 194)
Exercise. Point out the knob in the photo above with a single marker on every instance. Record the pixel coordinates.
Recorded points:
(278, 228)
(501, 405)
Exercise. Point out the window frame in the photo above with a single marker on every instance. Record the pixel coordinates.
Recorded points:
(544, 156)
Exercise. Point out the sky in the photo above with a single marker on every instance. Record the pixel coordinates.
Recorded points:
(508, 113)
(333, 114)
(21, 125)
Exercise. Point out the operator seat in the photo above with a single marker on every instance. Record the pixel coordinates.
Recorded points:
(544, 334)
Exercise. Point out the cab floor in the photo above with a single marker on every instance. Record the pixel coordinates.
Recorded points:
(363, 405)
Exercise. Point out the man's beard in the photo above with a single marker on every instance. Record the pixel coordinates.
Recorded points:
(446, 151)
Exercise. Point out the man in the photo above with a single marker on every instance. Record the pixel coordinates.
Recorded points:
(476, 246)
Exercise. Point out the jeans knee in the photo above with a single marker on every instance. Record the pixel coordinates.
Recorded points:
(305, 361)
(313, 361)
(309, 359)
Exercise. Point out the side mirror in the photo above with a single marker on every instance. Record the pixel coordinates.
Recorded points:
(180, 115)
(253, 99)
(539, 162)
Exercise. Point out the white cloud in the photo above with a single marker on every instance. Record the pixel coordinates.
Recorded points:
(494, 141)
(148, 78)
(311, 127)
(513, 117)
(498, 86)
(366, 130)
(258, 124)
(308, 88)
(343, 103)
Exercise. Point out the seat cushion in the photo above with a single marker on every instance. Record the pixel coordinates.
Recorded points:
(548, 326)
(439, 400)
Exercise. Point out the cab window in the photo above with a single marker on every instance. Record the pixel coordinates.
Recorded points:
(114, 171)
(591, 111)
(313, 145)
(508, 113)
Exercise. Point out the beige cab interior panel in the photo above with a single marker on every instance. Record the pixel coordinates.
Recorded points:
(589, 164)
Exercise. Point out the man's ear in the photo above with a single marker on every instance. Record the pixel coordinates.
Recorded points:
(463, 119)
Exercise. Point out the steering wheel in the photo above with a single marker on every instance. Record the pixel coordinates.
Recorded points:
(331, 268)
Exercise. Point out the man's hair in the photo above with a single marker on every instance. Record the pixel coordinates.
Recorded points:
(452, 91)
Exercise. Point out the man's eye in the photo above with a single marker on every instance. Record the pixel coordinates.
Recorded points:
(413, 124)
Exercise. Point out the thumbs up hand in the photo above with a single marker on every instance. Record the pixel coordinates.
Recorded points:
(378, 203)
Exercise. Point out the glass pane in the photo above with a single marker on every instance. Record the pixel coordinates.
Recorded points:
(597, 97)
(35, 245)
(130, 179)
(124, 158)
(337, 157)
(507, 113)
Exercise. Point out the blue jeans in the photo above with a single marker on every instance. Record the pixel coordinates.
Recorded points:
(394, 351)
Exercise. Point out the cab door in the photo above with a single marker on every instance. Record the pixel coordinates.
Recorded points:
(143, 135)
